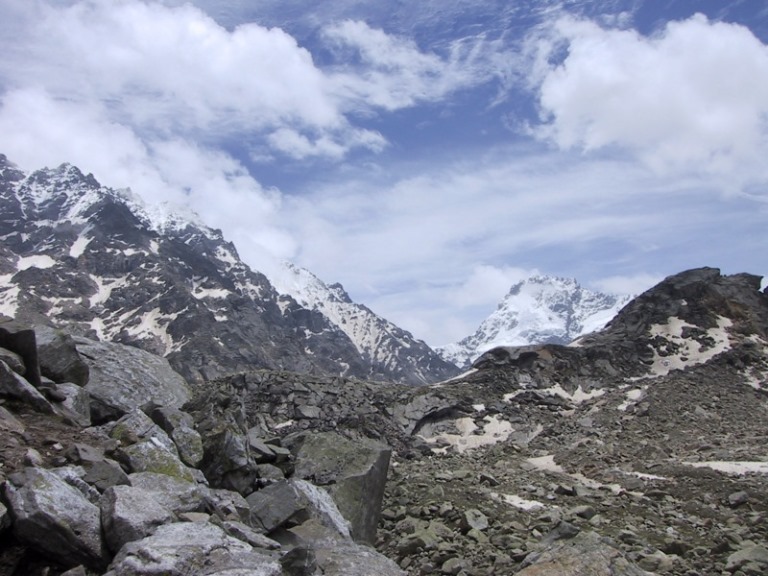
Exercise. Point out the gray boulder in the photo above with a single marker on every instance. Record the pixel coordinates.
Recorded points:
(21, 340)
(151, 456)
(181, 428)
(55, 518)
(77, 401)
(129, 514)
(173, 493)
(123, 378)
(354, 472)
(587, 553)
(17, 388)
(198, 548)
(292, 502)
(58, 357)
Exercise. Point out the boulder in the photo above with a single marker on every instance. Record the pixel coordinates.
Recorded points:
(151, 456)
(354, 472)
(17, 388)
(586, 553)
(198, 548)
(21, 340)
(58, 357)
(751, 559)
(227, 463)
(55, 518)
(13, 360)
(77, 401)
(128, 514)
(292, 502)
(173, 493)
(123, 378)
(181, 428)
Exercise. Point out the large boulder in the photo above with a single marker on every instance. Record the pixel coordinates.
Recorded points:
(21, 340)
(587, 553)
(58, 357)
(17, 388)
(292, 502)
(353, 471)
(182, 549)
(129, 514)
(175, 494)
(55, 518)
(181, 428)
(123, 378)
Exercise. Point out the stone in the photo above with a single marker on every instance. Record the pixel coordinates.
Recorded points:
(292, 502)
(77, 401)
(151, 456)
(104, 473)
(586, 553)
(473, 519)
(262, 452)
(181, 428)
(135, 426)
(173, 493)
(9, 423)
(196, 548)
(228, 505)
(128, 514)
(5, 518)
(226, 461)
(355, 473)
(736, 499)
(55, 518)
(58, 357)
(17, 388)
(247, 534)
(13, 360)
(754, 557)
(123, 378)
(22, 341)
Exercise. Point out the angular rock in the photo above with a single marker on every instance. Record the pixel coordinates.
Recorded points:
(104, 473)
(129, 514)
(5, 518)
(182, 549)
(755, 558)
(151, 456)
(53, 517)
(77, 401)
(14, 386)
(123, 378)
(174, 494)
(247, 534)
(181, 428)
(587, 553)
(13, 360)
(228, 505)
(58, 357)
(227, 463)
(292, 502)
(355, 473)
(21, 340)
(9, 423)
(135, 426)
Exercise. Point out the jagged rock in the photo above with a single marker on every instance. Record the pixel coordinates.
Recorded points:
(226, 461)
(151, 456)
(13, 361)
(55, 518)
(228, 505)
(173, 493)
(104, 473)
(136, 426)
(191, 548)
(128, 514)
(752, 560)
(247, 534)
(355, 473)
(21, 340)
(180, 426)
(123, 378)
(77, 401)
(292, 502)
(9, 423)
(58, 357)
(14, 386)
(587, 553)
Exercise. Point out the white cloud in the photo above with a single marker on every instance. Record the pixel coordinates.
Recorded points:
(633, 284)
(487, 285)
(693, 97)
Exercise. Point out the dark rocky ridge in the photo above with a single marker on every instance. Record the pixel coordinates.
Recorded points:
(91, 258)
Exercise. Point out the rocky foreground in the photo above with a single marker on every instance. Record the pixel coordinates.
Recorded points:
(639, 450)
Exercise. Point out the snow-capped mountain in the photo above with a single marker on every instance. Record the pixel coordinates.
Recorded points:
(104, 264)
(386, 347)
(538, 310)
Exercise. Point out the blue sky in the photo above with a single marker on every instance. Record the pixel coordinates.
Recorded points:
(427, 154)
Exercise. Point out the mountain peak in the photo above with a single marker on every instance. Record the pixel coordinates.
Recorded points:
(539, 309)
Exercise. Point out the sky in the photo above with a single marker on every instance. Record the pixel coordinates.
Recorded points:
(427, 155)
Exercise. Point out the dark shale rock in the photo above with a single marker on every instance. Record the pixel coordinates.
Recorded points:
(59, 358)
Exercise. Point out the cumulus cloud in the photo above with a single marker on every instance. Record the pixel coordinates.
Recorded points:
(678, 100)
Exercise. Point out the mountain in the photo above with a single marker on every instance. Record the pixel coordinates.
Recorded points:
(537, 310)
(106, 265)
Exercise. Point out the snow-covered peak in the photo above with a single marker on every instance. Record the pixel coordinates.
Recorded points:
(539, 309)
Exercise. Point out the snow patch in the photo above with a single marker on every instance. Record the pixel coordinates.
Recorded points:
(517, 501)
(79, 245)
(732, 468)
(689, 351)
(41, 261)
(469, 436)
(631, 396)
(9, 296)
(576, 397)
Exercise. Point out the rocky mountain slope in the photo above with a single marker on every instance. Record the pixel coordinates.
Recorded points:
(537, 310)
(101, 262)
(638, 450)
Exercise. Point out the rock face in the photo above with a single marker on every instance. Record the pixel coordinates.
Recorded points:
(96, 260)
